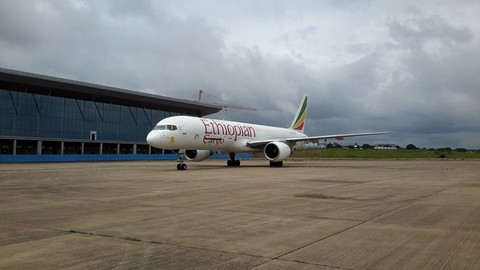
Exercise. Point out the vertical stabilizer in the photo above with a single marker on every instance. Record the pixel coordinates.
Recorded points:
(298, 123)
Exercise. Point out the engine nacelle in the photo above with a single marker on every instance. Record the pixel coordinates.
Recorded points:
(277, 151)
(197, 155)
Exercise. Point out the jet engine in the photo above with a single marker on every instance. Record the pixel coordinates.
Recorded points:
(197, 155)
(277, 151)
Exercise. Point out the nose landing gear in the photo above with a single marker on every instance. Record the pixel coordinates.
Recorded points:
(181, 166)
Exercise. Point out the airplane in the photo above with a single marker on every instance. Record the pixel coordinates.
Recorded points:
(197, 138)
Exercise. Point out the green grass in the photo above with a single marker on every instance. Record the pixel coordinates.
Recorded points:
(368, 153)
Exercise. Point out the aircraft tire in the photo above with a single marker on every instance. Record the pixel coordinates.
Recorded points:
(276, 164)
(233, 163)
(181, 167)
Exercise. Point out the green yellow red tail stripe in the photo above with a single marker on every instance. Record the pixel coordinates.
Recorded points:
(299, 120)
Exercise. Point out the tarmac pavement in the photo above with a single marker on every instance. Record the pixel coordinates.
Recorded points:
(326, 214)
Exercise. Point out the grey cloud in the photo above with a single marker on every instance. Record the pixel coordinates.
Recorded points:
(419, 30)
(111, 47)
(420, 81)
(422, 96)
(438, 93)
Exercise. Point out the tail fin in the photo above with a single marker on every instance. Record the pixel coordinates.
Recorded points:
(298, 123)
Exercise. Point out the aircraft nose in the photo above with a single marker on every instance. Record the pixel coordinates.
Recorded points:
(153, 138)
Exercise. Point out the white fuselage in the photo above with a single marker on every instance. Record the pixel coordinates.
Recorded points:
(185, 132)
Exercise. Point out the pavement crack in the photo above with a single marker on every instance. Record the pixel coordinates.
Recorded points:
(365, 221)
(135, 239)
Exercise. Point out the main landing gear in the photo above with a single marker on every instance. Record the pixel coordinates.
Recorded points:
(232, 162)
(276, 163)
(181, 166)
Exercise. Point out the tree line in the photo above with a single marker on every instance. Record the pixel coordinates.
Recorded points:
(408, 147)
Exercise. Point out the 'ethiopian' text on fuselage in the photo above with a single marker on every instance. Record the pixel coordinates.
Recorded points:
(220, 128)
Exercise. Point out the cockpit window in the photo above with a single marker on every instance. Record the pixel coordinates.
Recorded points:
(165, 127)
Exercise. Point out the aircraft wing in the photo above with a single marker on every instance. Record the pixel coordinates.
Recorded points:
(258, 144)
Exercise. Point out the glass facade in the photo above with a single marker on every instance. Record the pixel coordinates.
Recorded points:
(45, 119)
(40, 116)
(36, 124)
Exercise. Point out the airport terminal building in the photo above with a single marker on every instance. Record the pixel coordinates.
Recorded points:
(44, 118)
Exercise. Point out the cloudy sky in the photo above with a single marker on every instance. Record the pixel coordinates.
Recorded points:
(411, 67)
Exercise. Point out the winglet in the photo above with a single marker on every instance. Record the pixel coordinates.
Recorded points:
(298, 123)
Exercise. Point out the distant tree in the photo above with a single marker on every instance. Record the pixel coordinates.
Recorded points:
(367, 146)
(461, 150)
(333, 145)
(411, 147)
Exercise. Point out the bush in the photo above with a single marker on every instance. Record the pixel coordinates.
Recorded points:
(411, 147)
